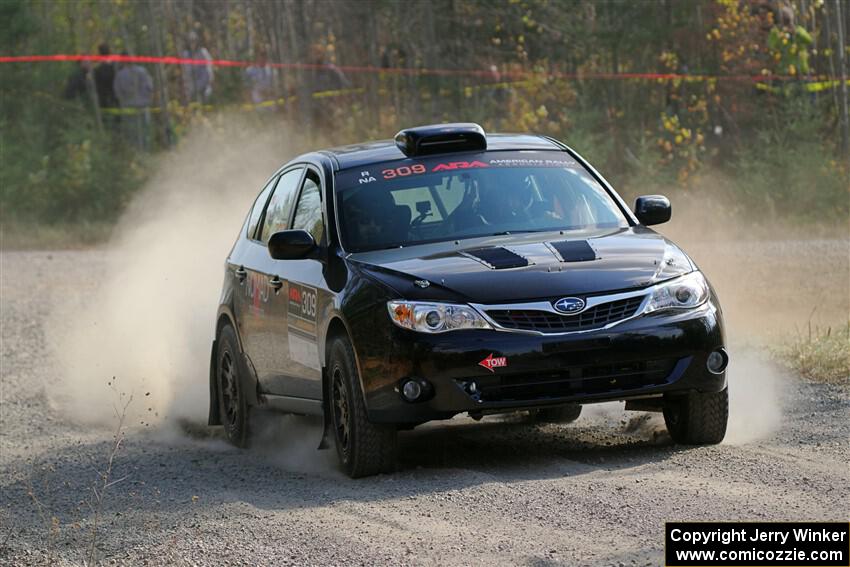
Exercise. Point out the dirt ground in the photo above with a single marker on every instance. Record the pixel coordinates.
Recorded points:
(596, 492)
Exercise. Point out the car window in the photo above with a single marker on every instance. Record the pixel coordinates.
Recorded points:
(308, 213)
(420, 202)
(259, 205)
(280, 205)
(469, 195)
(450, 194)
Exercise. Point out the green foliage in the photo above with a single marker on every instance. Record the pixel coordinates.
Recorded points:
(16, 22)
(790, 50)
(778, 148)
(787, 170)
(58, 168)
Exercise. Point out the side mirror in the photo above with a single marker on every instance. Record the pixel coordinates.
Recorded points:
(653, 209)
(291, 244)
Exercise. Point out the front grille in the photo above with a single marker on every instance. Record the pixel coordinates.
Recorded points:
(569, 382)
(548, 322)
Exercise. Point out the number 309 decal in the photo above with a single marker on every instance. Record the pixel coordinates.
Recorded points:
(302, 301)
(403, 171)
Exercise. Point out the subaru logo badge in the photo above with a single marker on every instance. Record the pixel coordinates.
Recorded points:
(569, 305)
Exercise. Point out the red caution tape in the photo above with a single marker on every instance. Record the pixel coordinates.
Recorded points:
(402, 70)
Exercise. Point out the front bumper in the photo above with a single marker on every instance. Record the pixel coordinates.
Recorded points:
(647, 356)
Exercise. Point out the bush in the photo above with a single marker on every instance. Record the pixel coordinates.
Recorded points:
(59, 168)
(790, 170)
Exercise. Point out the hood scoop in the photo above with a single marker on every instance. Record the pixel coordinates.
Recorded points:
(497, 258)
(574, 250)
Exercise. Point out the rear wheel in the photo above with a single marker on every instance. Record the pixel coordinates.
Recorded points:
(697, 418)
(364, 448)
(233, 407)
(560, 414)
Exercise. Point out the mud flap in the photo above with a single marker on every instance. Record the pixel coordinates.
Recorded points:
(214, 416)
(326, 415)
(250, 383)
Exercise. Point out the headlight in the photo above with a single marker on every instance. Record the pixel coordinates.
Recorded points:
(435, 317)
(685, 292)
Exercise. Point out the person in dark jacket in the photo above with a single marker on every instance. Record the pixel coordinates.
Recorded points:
(104, 77)
(77, 84)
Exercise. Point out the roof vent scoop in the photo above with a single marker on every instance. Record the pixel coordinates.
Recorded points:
(441, 138)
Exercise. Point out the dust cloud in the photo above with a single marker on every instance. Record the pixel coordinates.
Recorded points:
(757, 389)
(773, 278)
(149, 320)
(289, 442)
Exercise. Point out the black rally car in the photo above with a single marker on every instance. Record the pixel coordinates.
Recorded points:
(391, 283)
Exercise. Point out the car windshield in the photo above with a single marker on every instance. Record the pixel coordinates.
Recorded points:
(452, 197)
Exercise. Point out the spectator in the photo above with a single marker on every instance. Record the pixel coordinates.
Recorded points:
(326, 106)
(197, 79)
(104, 79)
(326, 75)
(134, 90)
(259, 79)
(77, 83)
(496, 96)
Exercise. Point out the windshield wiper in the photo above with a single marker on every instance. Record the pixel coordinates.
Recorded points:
(509, 232)
(405, 244)
(390, 246)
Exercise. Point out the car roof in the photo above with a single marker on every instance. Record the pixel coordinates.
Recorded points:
(357, 155)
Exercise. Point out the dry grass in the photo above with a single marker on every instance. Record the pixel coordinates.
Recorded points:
(821, 355)
(96, 502)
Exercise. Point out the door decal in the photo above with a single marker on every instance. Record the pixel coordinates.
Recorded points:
(303, 345)
(257, 291)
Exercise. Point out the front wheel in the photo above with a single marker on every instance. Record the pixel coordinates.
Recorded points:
(697, 418)
(364, 448)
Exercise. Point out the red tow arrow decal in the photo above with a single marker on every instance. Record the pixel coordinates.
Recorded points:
(492, 362)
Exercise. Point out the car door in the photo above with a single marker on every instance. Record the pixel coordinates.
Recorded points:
(306, 289)
(248, 299)
(263, 328)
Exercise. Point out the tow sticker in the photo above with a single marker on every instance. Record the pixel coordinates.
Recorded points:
(492, 362)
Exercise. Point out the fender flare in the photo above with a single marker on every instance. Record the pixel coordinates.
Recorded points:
(248, 376)
(323, 355)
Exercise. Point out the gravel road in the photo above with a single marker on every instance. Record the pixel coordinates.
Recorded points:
(595, 492)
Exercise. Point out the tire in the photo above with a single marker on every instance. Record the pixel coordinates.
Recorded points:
(364, 448)
(697, 419)
(560, 414)
(232, 404)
